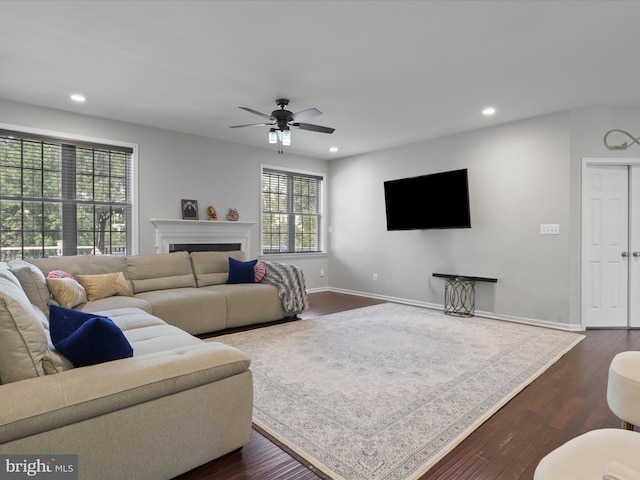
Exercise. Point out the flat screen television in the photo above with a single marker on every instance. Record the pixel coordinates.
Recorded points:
(439, 200)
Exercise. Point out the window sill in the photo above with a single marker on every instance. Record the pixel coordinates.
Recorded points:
(290, 256)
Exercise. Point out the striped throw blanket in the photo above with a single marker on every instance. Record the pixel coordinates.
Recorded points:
(289, 280)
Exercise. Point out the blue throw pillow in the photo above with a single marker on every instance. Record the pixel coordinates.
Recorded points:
(85, 338)
(241, 272)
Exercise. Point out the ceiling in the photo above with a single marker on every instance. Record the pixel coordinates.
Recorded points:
(384, 73)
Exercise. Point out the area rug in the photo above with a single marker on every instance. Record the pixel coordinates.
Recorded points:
(384, 392)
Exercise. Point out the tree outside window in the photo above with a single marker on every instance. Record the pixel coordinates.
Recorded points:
(63, 198)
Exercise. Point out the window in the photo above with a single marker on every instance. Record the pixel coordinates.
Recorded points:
(291, 212)
(62, 197)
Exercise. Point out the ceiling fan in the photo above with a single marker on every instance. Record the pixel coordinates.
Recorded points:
(282, 120)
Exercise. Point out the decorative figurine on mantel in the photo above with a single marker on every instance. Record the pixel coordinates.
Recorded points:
(233, 215)
(211, 213)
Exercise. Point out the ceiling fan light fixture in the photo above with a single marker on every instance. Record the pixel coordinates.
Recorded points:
(281, 120)
(286, 137)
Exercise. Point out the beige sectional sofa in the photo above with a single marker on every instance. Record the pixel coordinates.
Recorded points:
(177, 403)
(186, 290)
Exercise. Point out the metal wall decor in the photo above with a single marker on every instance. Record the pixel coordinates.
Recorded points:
(622, 146)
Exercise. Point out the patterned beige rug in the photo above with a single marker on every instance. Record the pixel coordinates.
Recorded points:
(384, 392)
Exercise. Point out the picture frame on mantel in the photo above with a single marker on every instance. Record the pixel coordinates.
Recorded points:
(189, 209)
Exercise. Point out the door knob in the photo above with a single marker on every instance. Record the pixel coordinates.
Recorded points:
(636, 254)
(625, 254)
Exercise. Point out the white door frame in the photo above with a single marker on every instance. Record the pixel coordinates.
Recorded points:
(634, 230)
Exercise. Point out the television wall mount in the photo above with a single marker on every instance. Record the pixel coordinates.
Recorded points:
(623, 145)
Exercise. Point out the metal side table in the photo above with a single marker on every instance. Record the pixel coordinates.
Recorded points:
(460, 293)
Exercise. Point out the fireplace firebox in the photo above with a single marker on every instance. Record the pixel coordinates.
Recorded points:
(204, 247)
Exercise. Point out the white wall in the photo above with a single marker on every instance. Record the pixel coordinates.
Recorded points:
(173, 165)
(519, 177)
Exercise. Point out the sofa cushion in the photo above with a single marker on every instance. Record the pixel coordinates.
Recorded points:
(53, 361)
(212, 268)
(82, 264)
(241, 272)
(5, 272)
(85, 393)
(105, 285)
(132, 318)
(148, 333)
(66, 291)
(250, 303)
(87, 339)
(118, 301)
(194, 310)
(23, 341)
(33, 283)
(160, 271)
(160, 338)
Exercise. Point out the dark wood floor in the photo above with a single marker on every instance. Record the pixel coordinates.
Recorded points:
(565, 401)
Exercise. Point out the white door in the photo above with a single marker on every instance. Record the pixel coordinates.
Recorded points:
(634, 244)
(606, 237)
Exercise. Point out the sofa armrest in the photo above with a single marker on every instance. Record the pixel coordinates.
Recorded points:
(44, 403)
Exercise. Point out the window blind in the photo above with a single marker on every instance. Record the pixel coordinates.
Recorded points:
(291, 213)
(62, 197)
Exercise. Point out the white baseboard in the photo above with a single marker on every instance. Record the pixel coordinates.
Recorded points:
(495, 316)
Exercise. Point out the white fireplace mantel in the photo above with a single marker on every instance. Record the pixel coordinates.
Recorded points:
(170, 231)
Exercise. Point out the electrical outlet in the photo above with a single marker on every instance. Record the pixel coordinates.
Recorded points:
(375, 276)
(550, 229)
(321, 273)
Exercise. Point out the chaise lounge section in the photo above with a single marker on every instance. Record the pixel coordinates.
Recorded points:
(176, 403)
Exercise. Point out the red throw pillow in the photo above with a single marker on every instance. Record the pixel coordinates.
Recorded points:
(260, 270)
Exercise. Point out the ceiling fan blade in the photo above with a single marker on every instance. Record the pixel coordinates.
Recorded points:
(306, 114)
(251, 110)
(252, 125)
(313, 128)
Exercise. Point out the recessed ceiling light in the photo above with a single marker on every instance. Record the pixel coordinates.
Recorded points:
(333, 149)
(78, 97)
(487, 112)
